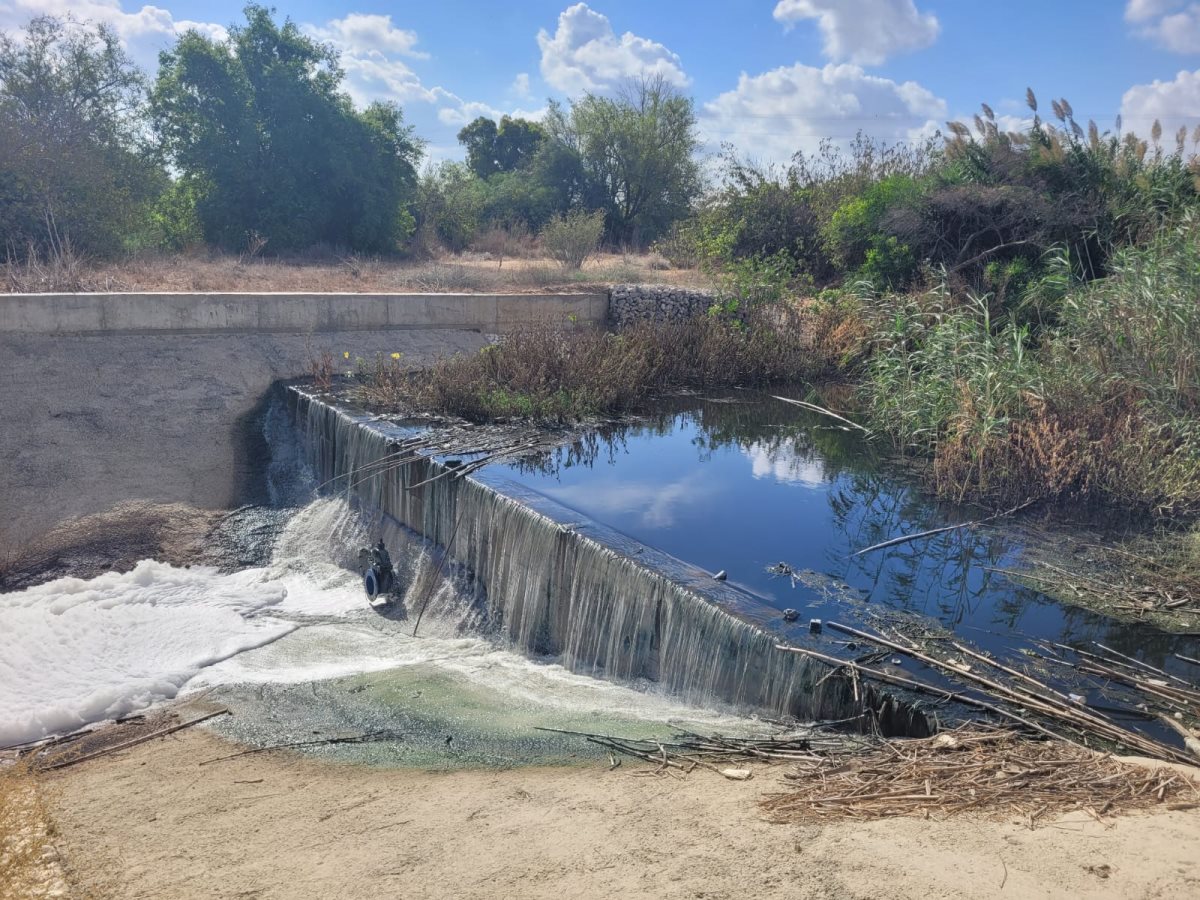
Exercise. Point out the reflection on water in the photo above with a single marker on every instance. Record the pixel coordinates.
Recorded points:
(742, 486)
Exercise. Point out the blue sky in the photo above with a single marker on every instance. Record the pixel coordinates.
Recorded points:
(769, 76)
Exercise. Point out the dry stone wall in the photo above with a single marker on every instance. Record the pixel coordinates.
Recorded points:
(630, 303)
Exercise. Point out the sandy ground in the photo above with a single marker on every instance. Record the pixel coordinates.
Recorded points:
(150, 822)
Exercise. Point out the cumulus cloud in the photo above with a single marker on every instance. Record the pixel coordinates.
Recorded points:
(785, 465)
(1172, 24)
(866, 32)
(585, 54)
(464, 111)
(1174, 103)
(520, 85)
(143, 32)
(367, 35)
(772, 115)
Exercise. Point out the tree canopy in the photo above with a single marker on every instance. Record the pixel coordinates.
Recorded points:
(271, 147)
(73, 166)
(507, 147)
(636, 153)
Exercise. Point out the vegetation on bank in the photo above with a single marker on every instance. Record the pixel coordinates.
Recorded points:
(1017, 306)
(250, 144)
(568, 374)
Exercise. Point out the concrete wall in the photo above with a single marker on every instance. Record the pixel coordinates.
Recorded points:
(159, 397)
(282, 313)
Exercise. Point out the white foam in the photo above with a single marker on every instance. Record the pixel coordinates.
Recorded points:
(75, 651)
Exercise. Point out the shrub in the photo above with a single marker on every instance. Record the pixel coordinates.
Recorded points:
(1105, 406)
(567, 374)
(572, 238)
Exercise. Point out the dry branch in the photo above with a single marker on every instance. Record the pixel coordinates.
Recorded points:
(983, 771)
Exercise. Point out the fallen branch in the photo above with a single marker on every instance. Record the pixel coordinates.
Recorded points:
(1045, 705)
(352, 739)
(904, 539)
(147, 737)
(812, 407)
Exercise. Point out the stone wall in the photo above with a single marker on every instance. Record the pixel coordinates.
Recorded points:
(629, 303)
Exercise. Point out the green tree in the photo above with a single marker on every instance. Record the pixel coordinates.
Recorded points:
(74, 171)
(637, 155)
(507, 147)
(261, 131)
(449, 203)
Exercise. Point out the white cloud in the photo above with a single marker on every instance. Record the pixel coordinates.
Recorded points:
(655, 504)
(1141, 10)
(785, 465)
(1171, 24)
(143, 32)
(520, 85)
(368, 35)
(865, 32)
(772, 115)
(585, 54)
(1174, 103)
(465, 111)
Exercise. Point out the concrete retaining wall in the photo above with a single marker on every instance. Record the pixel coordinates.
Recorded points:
(199, 313)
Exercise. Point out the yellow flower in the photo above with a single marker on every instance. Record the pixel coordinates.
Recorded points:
(345, 354)
(395, 356)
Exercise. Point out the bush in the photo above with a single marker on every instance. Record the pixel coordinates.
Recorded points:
(1104, 405)
(569, 374)
(572, 238)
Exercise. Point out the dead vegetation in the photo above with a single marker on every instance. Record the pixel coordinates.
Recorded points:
(334, 272)
(1152, 578)
(568, 374)
(986, 772)
(28, 863)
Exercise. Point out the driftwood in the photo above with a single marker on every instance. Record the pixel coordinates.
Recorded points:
(904, 539)
(141, 740)
(351, 739)
(687, 751)
(1047, 706)
(921, 687)
(812, 407)
(990, 772)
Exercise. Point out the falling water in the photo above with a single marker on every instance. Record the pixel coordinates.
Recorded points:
(549, 589)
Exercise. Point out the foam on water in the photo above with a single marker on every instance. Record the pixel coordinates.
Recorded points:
(75, 651)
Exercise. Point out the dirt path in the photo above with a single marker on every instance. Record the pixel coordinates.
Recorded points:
(149, 823)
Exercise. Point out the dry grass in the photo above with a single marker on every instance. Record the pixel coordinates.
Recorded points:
(986, 772)
(28, 863)
(567, 374)
(466, 273)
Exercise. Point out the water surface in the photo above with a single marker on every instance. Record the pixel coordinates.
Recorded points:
(739, 485)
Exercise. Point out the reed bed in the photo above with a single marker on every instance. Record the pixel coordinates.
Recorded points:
(987, 772)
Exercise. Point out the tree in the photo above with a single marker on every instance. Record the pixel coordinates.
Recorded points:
(74, 171)
(507, 147)
(261, 131)
(636, 152)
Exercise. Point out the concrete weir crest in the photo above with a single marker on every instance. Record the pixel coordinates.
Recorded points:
(250, 313)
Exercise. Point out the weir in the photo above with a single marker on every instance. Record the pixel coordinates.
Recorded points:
(550, 584)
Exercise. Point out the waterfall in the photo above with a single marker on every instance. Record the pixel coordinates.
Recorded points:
(550, 585)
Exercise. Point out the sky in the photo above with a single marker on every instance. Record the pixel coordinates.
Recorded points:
(768, 77)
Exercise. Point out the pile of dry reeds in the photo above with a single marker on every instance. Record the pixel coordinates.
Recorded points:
(687, 751)
(989, 772)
